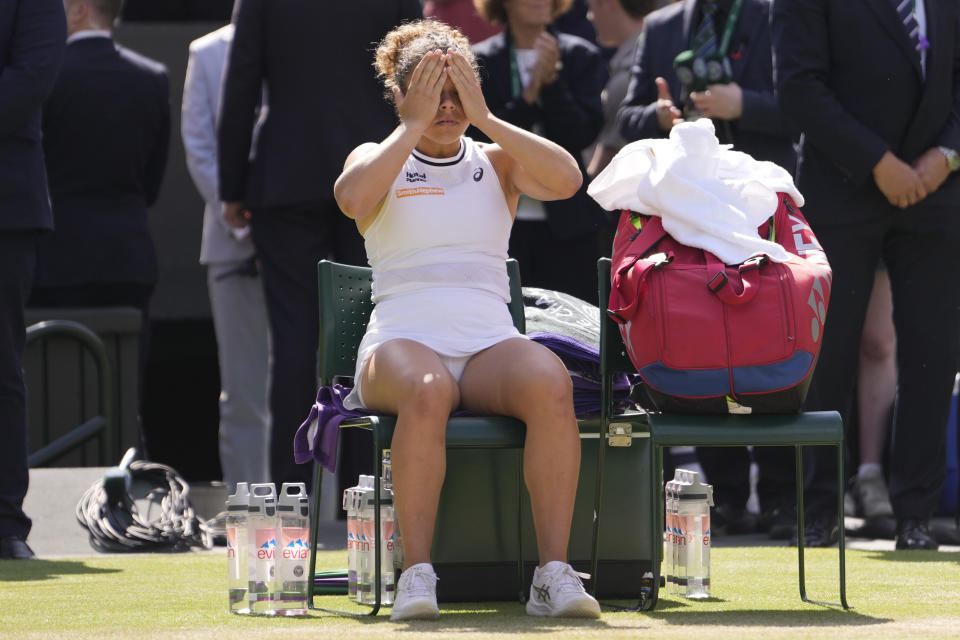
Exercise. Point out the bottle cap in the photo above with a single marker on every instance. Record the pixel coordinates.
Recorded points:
(293, 499)
(386, 497)
(240, 500)
(263, 499)
(693, 489)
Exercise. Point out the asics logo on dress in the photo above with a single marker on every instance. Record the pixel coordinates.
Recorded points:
(543, 593)
(478, 174)
(416, 176)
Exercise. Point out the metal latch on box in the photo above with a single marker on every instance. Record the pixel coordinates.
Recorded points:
(620, 434)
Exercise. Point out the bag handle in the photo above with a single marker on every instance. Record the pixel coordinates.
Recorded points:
(749, 271)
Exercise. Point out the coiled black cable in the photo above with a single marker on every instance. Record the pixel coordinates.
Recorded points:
(120, 527)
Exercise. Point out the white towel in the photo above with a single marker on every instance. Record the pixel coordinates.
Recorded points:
(708, 195)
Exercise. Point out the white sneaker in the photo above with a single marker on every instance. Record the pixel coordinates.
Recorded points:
(557, 591)
(872, 494)
(416, 594)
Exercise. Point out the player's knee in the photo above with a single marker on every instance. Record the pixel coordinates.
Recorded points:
(429, 396)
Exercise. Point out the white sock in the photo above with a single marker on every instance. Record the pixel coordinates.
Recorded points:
(868, 468)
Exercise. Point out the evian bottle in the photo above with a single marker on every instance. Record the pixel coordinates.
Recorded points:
(369, 550)
(293, 533)
(351, 506)
(262, 525)
(237, 505)
(694, 500)
(364, 540)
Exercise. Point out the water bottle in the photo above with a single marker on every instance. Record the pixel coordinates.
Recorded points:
(237, 505)
(683, 477)
(364, 497)
(694, 500)
(386, 543)
(351, 505)
(293, 533)
(669, 535)
(262, 525)
(387, 482)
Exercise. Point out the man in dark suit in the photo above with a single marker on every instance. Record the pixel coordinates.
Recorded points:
(106, 129)
(31, 49)
(550, 83)
(746, 115)
(877, 97)
(313, 59)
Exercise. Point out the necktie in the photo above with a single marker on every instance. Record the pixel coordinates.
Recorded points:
(906, 11)
(705, 39)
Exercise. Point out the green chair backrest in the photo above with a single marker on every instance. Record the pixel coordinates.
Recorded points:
(613, 353)
(345, 308)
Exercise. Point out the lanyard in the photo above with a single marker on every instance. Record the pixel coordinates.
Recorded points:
(728, 28)
(515, 85)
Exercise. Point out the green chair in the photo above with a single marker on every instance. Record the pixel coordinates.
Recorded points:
(345, 308)
(619, 429)
(668, 430)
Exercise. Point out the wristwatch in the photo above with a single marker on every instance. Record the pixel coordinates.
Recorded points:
(953, 158)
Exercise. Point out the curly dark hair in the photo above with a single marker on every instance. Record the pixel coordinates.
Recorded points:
(401, 50)
(495, 11)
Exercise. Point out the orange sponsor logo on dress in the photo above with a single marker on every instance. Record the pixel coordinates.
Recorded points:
(420, 191)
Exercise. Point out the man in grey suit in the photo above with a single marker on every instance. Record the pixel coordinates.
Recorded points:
(233, 278)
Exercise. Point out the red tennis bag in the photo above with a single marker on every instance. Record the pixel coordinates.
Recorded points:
(713, 338)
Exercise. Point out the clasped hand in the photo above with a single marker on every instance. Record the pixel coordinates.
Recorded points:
(904, 185)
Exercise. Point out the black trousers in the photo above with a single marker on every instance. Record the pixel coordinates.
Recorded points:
(728, 471)
(289, 242)
(920, 248)
(548, 261)
(18, 255)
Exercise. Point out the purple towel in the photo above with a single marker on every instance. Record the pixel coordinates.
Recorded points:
(318, 436)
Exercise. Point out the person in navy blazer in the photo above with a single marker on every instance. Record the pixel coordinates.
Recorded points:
(877, 168)
(560, 252)
(313, 60)
(32, 34)
(746, 114)
(746, 107)
(106, 130)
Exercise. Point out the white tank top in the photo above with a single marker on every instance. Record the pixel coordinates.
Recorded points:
(444, 223)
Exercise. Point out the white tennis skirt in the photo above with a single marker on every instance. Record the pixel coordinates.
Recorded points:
(455, 323)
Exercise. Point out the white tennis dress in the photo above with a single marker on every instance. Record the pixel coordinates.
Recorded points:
(438, 250)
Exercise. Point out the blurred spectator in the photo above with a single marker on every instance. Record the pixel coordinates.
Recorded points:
(575, 22)
(233, 277)
(876, 392)
(880, 183)
(31, 49)
(618, 24)
(736, 35)
(462, 15)
(106, 130)
(313, 60)
(549, 83)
